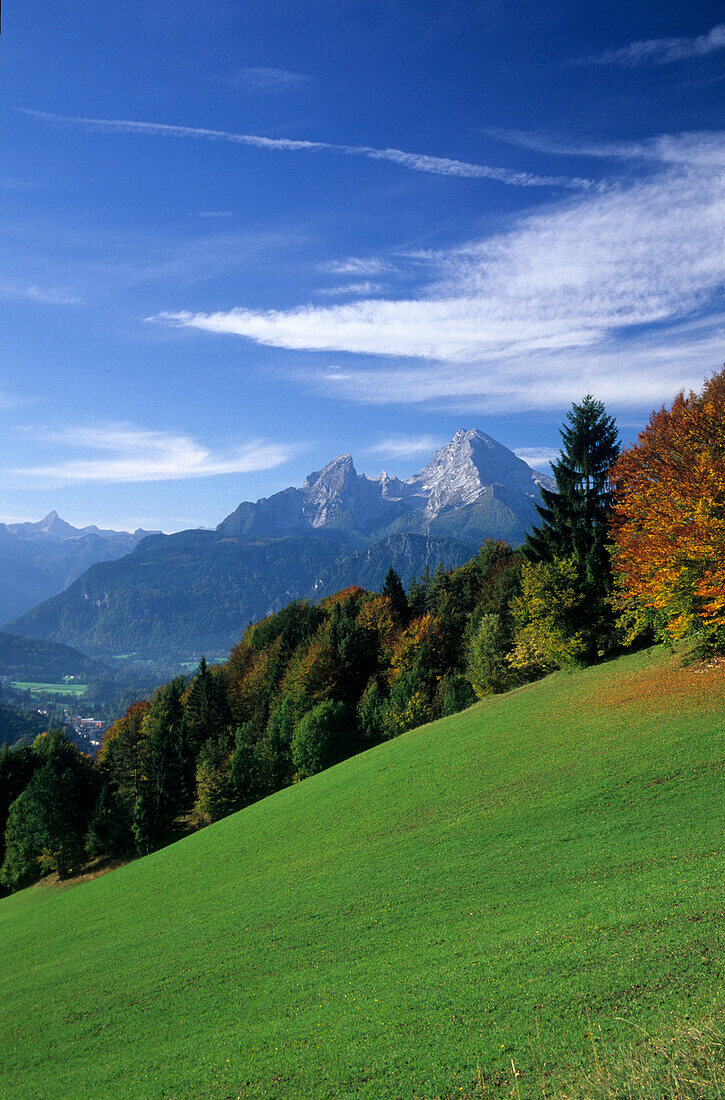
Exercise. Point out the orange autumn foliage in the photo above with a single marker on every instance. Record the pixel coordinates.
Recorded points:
(669, 519)
(353, 592)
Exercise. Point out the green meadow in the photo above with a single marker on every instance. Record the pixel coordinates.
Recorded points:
(49, 689)
(504, 891)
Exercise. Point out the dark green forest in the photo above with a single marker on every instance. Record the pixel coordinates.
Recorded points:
(17, 724)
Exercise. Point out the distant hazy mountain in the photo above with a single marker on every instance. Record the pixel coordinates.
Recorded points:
(39, 559)
(197, 590)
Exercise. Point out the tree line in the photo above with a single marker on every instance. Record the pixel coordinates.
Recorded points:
(630, 548)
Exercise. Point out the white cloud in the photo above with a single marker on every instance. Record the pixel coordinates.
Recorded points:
(417, 162)
(660, 51)
(356, 265)
(637, 374)
(214, 214)
(262, 80)
(538, 456)
(704, 148)
(539, 315)
(33, 293)
(405, 446)
(124, 453)
(364, 288)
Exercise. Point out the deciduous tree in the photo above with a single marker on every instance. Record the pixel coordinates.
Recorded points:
(669, 521)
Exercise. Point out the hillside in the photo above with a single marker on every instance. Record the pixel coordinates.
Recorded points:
(180, 595)
(406, 923)
(19, 725)
(48, 662)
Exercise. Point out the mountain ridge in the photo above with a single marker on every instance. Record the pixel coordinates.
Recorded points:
(197, 590)
(472, 468)
(57, 529)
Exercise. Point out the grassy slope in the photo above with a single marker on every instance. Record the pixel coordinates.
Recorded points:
(380, 929)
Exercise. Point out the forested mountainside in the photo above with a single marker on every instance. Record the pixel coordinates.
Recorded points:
(17, 724)
(195, 591)
(29, 659)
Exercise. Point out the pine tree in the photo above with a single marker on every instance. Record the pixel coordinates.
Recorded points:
(143, 823)
(576, 516)
(393, 589)
(162, 729)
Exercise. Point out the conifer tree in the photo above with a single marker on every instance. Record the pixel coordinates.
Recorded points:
(576, 516)
(418, 593)
(393, 589)
(162, 729)
(143, 824)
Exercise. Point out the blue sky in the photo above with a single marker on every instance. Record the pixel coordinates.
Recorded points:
(238, 239)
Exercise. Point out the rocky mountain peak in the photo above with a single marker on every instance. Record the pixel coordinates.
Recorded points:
(52, 524)
(335, 477)
(471, 468)
(467, 469)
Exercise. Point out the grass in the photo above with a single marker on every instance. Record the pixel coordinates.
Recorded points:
(686, 1065)
(49, 689)
(507, 888)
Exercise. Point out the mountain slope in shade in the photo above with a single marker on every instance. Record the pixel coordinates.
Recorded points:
(45, 662)
(197, 590)
(194, 592)
(37, 560)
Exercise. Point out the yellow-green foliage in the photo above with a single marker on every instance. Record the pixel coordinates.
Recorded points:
(545, 614)
(214, 790)
(486, 656)
(687, 1064)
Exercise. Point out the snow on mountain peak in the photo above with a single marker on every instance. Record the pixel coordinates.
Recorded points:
(471, 468)
(466, 469)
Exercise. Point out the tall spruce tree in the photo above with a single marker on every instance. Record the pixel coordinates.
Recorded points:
(576, 515)
(393, 589)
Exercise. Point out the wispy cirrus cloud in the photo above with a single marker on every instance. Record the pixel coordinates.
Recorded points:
(362, 289)
(589, 295)
(356, 265)
(409, 446)
(30, 292)
(659, 51)
(705, 148)
(124, 453)
(417, 162)
(538, 456)
(10, 401)
(9, 184)
(263, 80)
